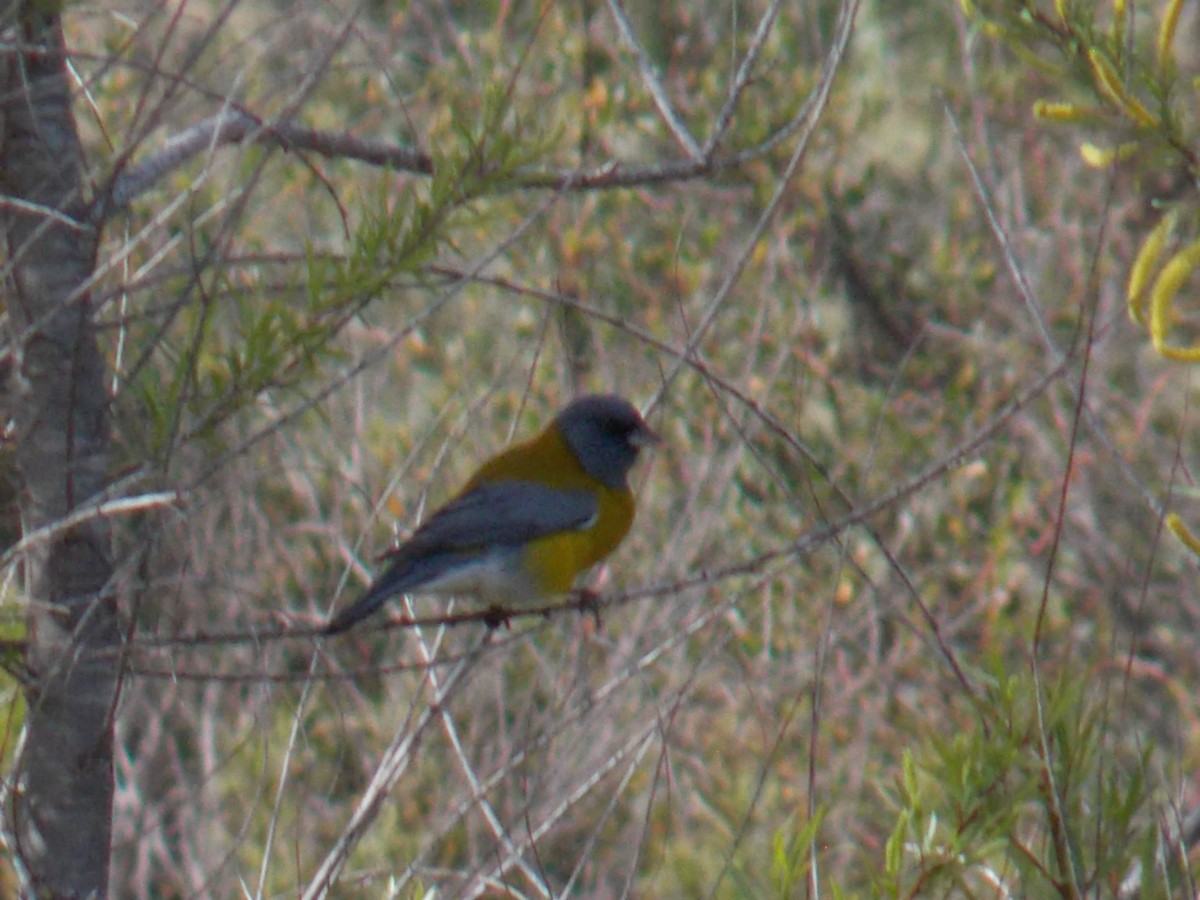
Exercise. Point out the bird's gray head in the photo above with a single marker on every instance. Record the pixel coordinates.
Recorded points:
(605, 433)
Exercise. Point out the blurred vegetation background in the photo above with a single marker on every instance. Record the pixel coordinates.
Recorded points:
(900, 614)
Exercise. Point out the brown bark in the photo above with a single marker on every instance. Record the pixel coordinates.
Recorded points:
(63, 804)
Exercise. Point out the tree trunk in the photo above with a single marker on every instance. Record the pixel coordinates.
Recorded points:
(63, 802)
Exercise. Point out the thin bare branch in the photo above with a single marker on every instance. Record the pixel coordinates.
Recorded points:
(741, 79)
(814, 107)
(654, 85)
(392, 765)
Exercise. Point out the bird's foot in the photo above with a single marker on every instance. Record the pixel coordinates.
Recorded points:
(495, 616)
(589, 602)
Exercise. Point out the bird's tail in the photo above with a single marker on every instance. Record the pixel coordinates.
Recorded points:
(377, 594)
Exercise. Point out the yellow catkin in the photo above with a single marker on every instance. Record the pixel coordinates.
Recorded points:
(1185, 534)
(1103, 157)
(1144, 264)
(1162, 296)
(1166, 32)
(1109, 82)
(1136, 111)
(1106, 76)
(1054, 111)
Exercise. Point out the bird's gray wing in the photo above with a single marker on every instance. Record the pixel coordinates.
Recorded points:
(502, 512)
(494, 515)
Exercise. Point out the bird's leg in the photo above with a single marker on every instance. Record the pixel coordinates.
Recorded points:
(495, 616)
(589, 602)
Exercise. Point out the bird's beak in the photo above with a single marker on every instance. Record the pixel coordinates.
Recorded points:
(645, 437)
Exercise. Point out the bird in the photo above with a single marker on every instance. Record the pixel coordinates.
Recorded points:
(530, 521)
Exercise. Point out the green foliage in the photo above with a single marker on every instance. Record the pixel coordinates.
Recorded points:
(1026, 799)
(1130, 86)
(1121, 83)
(791, 860)
(222, 356)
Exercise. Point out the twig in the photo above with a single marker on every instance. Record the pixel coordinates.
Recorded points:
(742, 78)
(813, 108)
(393, 764)
(654, 85)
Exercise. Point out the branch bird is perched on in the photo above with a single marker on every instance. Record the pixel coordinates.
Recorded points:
(530, 521)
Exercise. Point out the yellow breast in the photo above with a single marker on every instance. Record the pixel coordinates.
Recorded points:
(555, 561)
